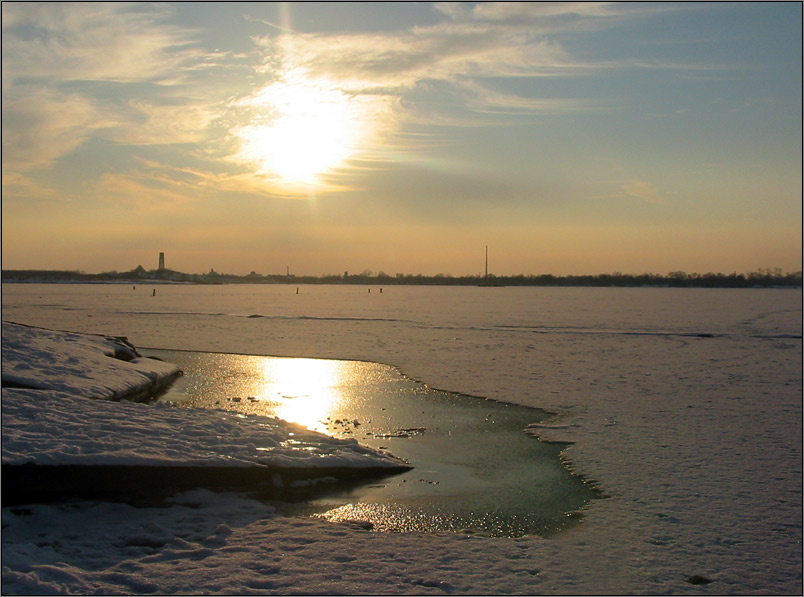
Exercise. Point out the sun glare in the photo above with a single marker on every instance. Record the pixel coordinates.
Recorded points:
(300, 131)
(304, 389)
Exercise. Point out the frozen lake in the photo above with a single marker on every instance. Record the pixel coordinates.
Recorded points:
(683, 405)
(549, 310)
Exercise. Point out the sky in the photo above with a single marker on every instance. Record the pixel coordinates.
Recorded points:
(402, 137)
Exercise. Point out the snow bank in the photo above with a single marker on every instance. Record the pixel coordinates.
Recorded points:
(222, 544)
(80, 364)
(56, 428)
(63, 425)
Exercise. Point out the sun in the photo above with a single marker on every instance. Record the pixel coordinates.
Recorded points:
(300, 131)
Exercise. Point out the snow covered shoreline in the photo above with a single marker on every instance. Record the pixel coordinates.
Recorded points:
(64, 410)
(91, 366)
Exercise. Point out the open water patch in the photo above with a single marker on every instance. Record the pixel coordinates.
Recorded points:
(475, 468)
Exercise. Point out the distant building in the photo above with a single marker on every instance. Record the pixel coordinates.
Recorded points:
(161, 261)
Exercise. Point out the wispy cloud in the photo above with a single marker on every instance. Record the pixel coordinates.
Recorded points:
(141, 193)
(478, 43)
(18, 186)
(365, 62)
(641, 189)
(509, 11)
(91, 41)
(164, 124)
(73, 71)
(39, 125)
(125, 73)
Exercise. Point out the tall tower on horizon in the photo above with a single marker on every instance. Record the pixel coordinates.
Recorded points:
(161, 260)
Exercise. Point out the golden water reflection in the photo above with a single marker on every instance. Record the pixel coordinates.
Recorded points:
(314, 393)
(305, 391)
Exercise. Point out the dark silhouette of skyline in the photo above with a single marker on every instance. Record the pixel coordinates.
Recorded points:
(763, 278)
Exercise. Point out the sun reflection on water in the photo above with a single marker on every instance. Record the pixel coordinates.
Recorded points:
(305, 391)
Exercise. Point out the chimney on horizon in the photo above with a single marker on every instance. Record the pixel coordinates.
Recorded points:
(161, 260)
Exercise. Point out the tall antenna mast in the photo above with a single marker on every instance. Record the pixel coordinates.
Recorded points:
(487, 261)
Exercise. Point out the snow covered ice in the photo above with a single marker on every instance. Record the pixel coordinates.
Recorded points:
(683, 405)
(81, 365)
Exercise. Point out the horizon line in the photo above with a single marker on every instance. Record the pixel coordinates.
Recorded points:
(767, 272)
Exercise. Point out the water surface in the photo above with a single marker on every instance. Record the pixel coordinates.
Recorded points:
(475, 468)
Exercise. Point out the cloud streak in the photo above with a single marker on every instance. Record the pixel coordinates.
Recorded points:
(72, 72)
(125, 74)
(91, 42)
(641, 189)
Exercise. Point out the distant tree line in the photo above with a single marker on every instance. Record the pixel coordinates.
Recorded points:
(763, 278)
